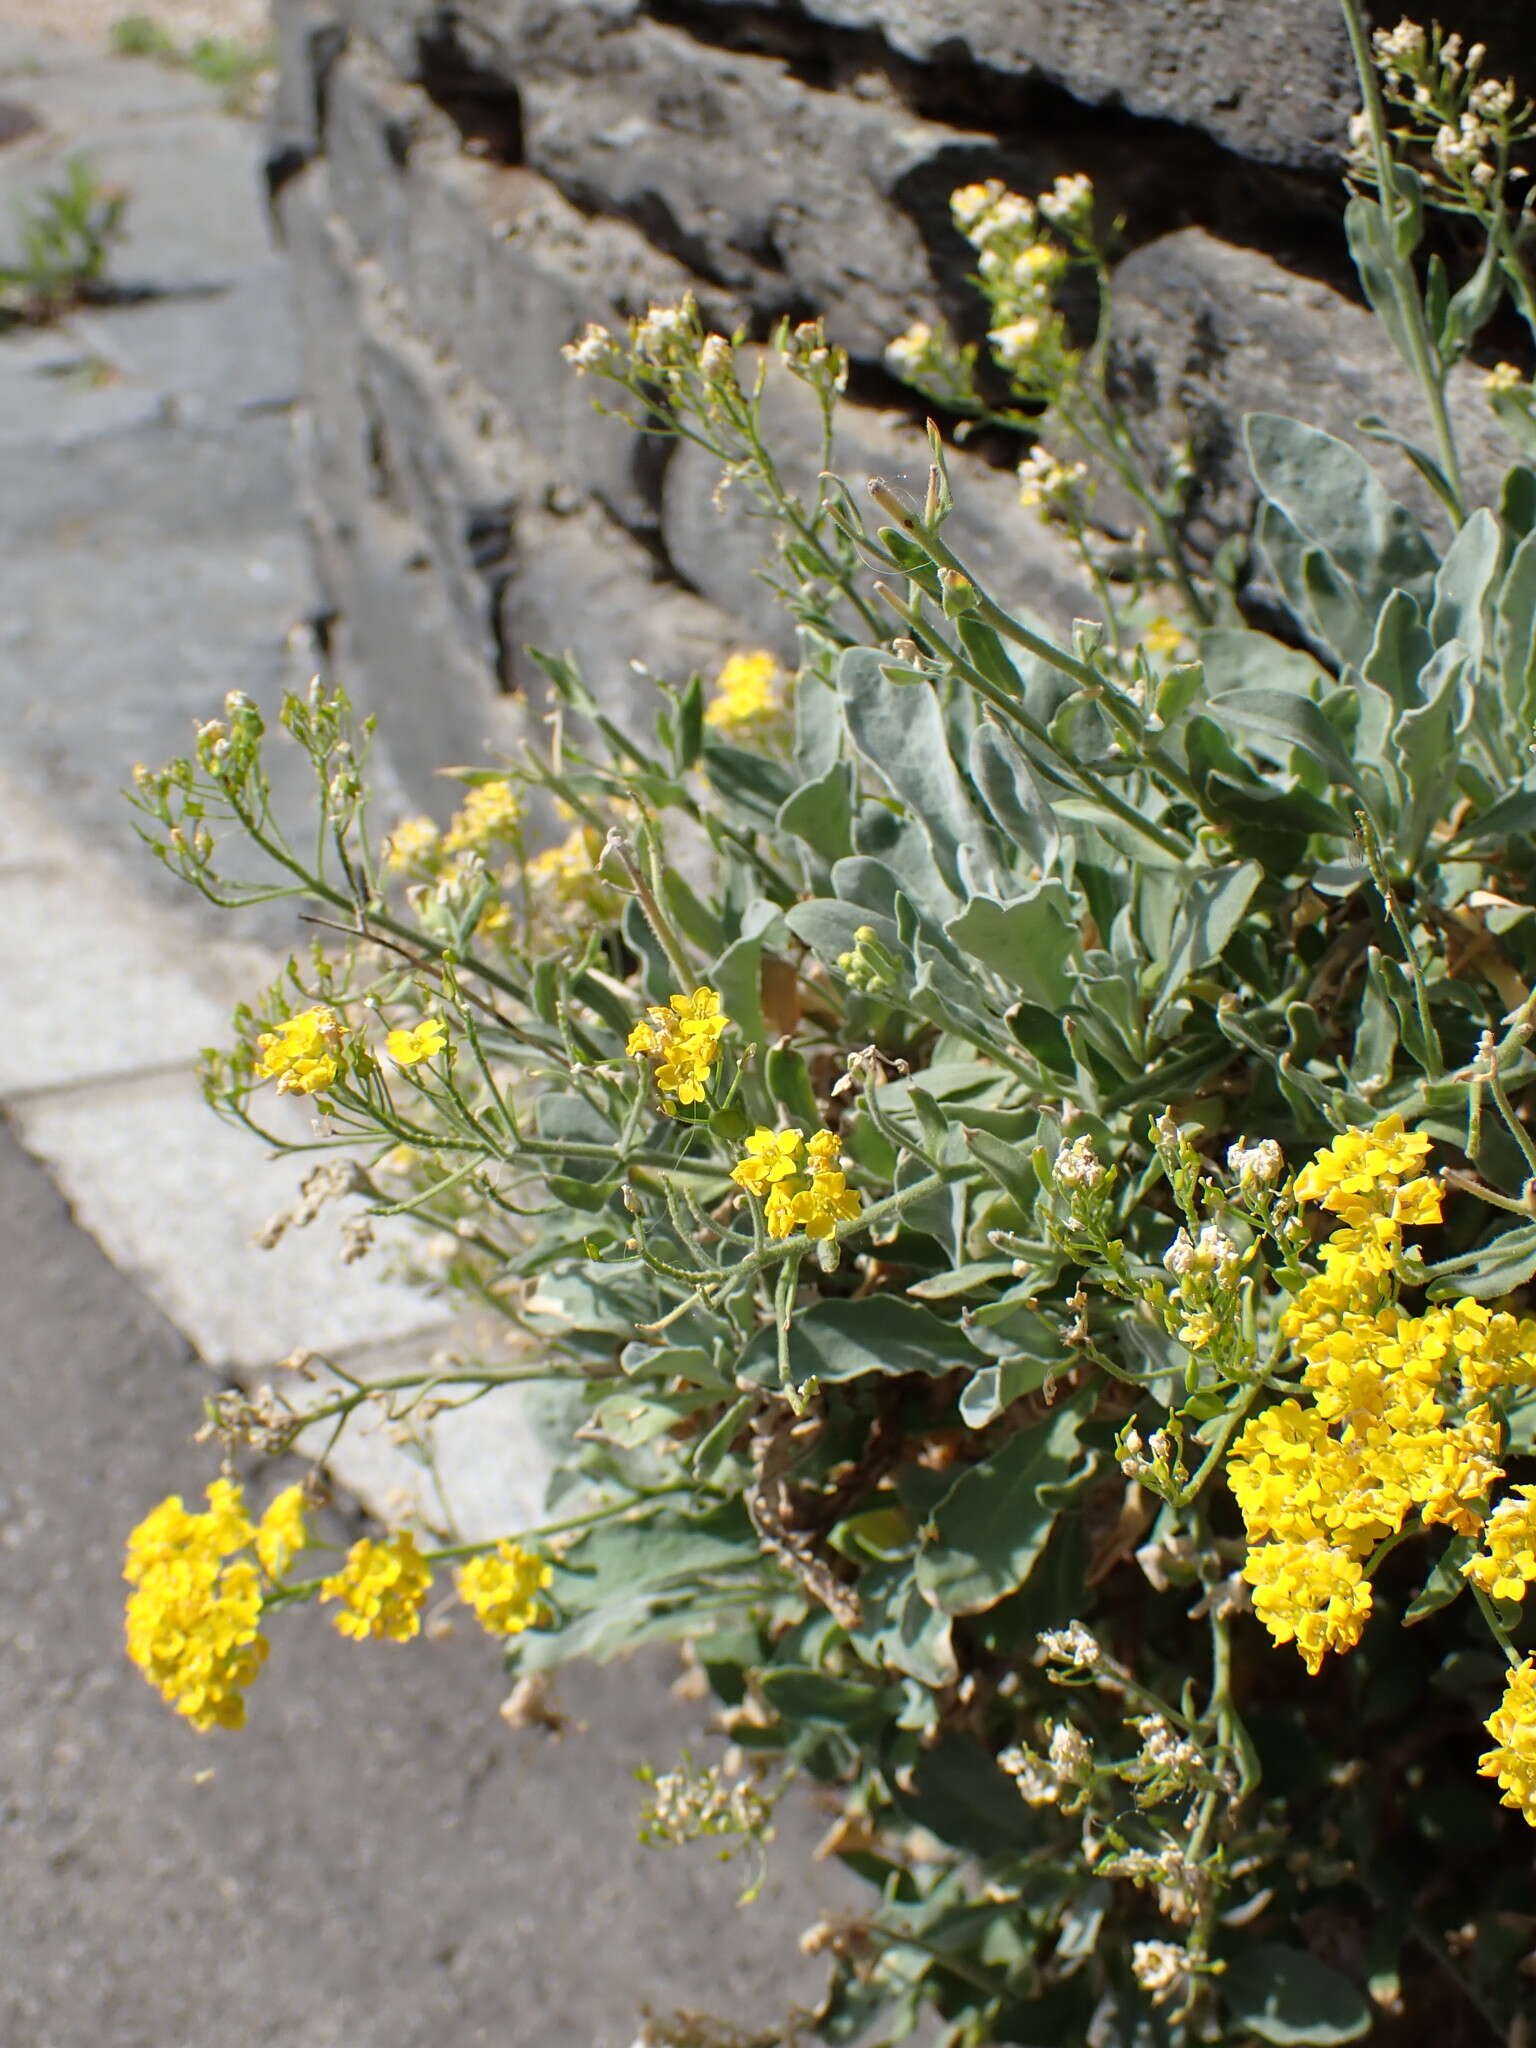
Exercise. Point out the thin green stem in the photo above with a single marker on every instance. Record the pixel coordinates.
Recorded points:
(1423, 357)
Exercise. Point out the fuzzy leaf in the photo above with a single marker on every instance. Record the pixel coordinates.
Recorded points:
(1288, 1997)
(989, 1530)
(1028, 941)
(1334, 499)
(844, 1340)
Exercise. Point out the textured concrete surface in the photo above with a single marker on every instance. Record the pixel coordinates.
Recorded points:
(377, 1859)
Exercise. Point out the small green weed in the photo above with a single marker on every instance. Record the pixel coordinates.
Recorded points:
(67, 235)
(231, 64)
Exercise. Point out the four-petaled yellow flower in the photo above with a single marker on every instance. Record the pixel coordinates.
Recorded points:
(381, 1587)
(681, 1041)
(305, 1054)
(411, 1044)
(503, 1588)
(748, 692)
(1507, 1564)
(799, 1181)
(193, 1619)
(1512, 1725)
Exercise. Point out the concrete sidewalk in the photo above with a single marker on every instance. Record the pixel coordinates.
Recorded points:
(378, 1859)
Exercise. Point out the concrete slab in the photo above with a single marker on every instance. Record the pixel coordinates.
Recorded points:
(90, 989)
(175, 1198)
(469, 1473)
(377, 1859)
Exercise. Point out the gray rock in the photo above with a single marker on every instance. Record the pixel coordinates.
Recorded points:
(1270, 79)
(1206, 332)
(585, 587)
(494, 267)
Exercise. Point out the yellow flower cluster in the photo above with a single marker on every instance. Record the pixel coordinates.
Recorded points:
(798, 1180)
(681, 1042)
(1018, 269)
(749, 691)
(381, 1588)
(1512, 1725)
(1395, 1424)
(193, 1619)
(412, 1044)
(1507, 1563)
(414, 843)
(305, 1054)
(491, 811)
(503, 1588)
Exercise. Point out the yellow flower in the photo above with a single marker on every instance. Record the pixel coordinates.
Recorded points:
(192, 1624)
(1507, 1565)
(683, 1040)
(503, 1588)
(381, 1587)
(1503, 377)
(282, 1533)
(1311, 1594)
(748, 692)
(304, 1054)
(413, 843)
(1162, 636)
(1513, 1728)
(771, 1156)
(798, 1182)
(490, 811)
(423, 1041)
(1358, 1175)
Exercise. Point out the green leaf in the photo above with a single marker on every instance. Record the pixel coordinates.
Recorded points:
(1014, 794)
(757, 785)
(821, 813)
(1008, 1167)
(899, 1631)
(1400, 651)
(1509, 1261)
(1445, 1581)
(738, 975)
(844, 1340)
(1027, 941)
(631, 1419)
(997, 1387)
(1273, 724)
(798, 1692)
(988, 1532)
(958, 1793)
(1211, 911)
(1286, 1996)
(1463, 582)
(899, 729)
(1334, 499)
(1515, 631)
(1370, 245)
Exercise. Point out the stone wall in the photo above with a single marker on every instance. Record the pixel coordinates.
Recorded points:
(462, 186)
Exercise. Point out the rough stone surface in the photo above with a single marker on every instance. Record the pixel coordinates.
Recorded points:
(377, 1858)
(1206, 333)
(462, 187)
